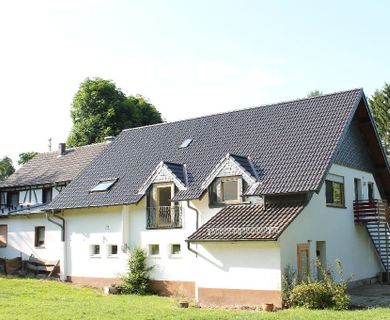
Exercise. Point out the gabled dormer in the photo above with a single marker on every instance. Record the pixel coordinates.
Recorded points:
(160, 188)
(230, 179)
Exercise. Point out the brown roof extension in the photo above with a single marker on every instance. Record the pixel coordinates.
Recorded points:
(50, 167)
(248, 222)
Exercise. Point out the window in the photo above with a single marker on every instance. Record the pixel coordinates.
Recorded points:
(112, 250)
(95, 250)
(175, 249)
(3, 235)
(154, 249)
(335, 191)
(226, 190)
(370, 187)
(13, 198)
(39, 237)
(229, 188)
(104, 185)
(185, 143)
(46, 195)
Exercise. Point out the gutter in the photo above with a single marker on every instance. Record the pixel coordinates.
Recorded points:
(61, 225)
(197, 227)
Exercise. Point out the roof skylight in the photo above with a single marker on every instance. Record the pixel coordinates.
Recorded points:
(185, 143)
(104, 185)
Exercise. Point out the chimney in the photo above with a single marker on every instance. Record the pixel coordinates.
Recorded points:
(61, 149)
(109, 139)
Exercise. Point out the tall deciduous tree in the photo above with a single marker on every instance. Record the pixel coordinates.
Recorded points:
(314, 93)
(24, 157)
(380, 108)
(6, 168)
(100, 109)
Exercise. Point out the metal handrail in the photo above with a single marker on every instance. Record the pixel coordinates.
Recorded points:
(160, 217)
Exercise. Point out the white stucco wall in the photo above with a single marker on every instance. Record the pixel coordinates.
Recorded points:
(94, 226)
(166, 266)
(344, 240)
(239, 265)
(21, 238)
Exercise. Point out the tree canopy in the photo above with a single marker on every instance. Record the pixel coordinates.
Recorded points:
(24, 157)
(314, 93)
(380, 108)
(100, 109)
(6, 168)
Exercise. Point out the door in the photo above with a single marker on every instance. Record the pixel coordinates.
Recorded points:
(164, 196)
(358, 189)
(303, 261)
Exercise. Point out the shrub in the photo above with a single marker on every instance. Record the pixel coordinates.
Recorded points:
(321, 294)
(136, 280)
(314, 295)
(289, 281)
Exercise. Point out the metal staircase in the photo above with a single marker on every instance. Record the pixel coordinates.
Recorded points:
(375, 216)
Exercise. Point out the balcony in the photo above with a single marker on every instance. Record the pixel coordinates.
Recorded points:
(371, 211)
(20, 208)
(167, 217)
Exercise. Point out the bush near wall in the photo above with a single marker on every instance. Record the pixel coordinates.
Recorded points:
(321, 294)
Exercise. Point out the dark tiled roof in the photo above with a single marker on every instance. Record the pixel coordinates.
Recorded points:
(179, 171)
(49, 167)
(291, 145)
(248, 222)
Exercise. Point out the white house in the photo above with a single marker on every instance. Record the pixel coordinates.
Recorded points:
(24, 228)
(223, 203)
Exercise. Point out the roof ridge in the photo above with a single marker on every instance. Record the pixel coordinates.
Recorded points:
(245, 109)
(75, 148)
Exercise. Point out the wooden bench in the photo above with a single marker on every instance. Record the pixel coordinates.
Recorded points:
(49, 268)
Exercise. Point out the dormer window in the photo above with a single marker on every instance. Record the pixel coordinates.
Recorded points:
(226, 190)
(162, 212)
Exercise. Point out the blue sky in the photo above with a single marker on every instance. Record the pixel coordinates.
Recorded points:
(189, 58)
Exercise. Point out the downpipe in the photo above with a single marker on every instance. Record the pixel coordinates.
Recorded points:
(60, 224)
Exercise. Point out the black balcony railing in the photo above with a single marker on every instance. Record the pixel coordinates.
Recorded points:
(9, 208)
(166, 217)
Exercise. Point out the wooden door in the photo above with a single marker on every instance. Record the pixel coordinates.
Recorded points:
(303, 260)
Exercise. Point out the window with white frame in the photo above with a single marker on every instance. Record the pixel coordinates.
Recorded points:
(334, 193)
(39, 237)
(226, 190)
(112, 250)
(3, 235)
(94, 250)
(175, 249)
(154, 249)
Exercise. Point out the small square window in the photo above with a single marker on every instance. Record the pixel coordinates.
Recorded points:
(175, 249)
(95, 250)
(154, 249)
(112, 249)
(39, 237)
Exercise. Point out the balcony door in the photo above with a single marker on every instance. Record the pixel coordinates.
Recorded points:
(163, 205)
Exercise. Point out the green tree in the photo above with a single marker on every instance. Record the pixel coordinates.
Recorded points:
(24, 157)
(6, 168)
(136, 280)
(100, 109)
(314, 93)
(380, 108)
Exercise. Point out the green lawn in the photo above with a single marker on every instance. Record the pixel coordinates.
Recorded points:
(39, 299)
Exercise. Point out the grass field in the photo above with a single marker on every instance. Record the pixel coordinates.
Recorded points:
(39, 299)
